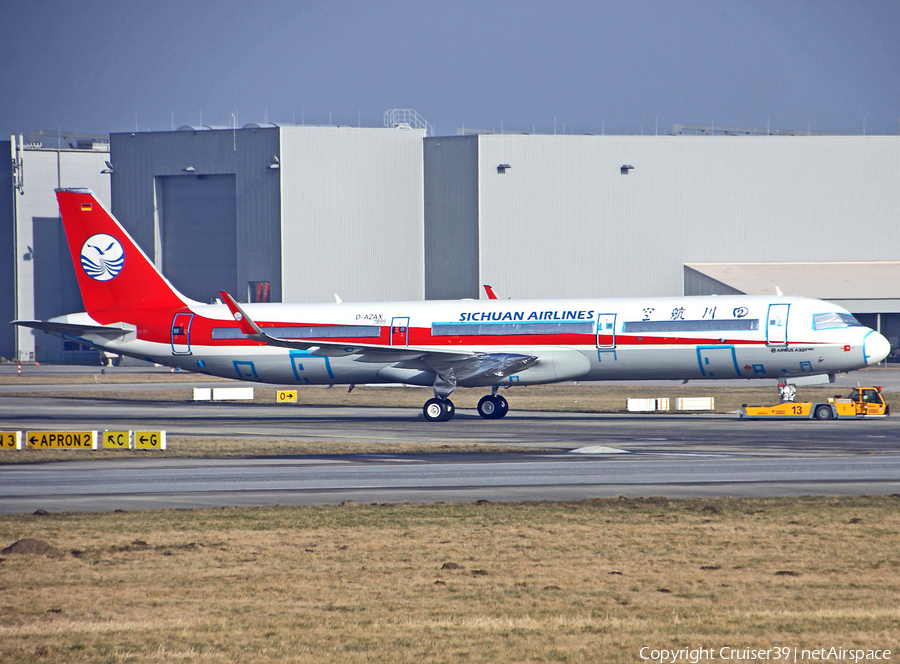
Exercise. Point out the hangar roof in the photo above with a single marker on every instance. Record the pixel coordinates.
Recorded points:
(835, 281)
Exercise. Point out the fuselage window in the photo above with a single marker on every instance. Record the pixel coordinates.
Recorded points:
(705, 325)
(511, 329)
(305, 332)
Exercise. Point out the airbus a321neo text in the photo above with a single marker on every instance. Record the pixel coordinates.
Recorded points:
(133, 310)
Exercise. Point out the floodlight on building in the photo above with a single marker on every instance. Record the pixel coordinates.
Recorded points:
(189, 169)
(109, 170)
(501, 168)
(276, 163)
(626, 168)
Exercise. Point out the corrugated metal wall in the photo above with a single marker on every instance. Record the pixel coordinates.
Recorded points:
(141, 160)
(9, 258)
(353, 213)
(45, 277)
(451, 214)
(190, 208)
(564, 221)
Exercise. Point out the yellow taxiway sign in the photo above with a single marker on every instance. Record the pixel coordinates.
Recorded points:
(10, 440)
(116, 440)
(62, 440)
(149, 440)
(286, 396)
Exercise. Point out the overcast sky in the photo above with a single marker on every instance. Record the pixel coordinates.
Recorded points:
(624, 66)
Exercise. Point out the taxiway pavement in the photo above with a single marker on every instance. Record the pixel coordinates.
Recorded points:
(157, 484)
(672, 455)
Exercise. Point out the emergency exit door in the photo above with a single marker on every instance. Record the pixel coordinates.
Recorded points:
(399, 331)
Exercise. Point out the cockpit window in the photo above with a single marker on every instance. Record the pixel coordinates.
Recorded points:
(833, 320)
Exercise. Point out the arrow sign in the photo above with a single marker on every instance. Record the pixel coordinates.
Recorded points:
(116, 440)
(149, 440)
(62, 440)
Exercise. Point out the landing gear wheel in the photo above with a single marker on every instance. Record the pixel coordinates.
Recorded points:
(487, 407)
(503, 406)
(438, 410)
(824, 413)
(493, 407)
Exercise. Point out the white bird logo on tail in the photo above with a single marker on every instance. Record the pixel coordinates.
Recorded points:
(102, 257)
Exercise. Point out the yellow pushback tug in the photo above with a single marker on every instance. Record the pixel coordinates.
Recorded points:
(862, 402)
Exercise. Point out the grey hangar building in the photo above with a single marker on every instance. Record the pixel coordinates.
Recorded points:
(309, 213)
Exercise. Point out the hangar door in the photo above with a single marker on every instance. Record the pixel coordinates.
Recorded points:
(55, 291)
(197, 217)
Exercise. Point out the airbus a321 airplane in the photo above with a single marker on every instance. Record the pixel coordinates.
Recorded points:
(134, 311)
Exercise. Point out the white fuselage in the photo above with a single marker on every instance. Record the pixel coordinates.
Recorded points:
(709, 337)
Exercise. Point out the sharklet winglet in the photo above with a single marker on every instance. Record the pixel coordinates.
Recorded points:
(247, 325)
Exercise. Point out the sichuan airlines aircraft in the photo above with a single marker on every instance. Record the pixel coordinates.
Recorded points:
(133, 310)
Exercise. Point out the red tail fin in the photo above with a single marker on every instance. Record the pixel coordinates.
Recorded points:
(113, 273)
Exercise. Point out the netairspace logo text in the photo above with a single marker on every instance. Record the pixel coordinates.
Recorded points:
(777, 654)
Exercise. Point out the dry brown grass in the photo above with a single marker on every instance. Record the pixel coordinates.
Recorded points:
(584, 581)
(194, 447)
(585, 398)
(111, 376)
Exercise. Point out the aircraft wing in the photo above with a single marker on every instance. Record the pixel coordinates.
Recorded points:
(367, 352)
(480, 369)
(451, 367)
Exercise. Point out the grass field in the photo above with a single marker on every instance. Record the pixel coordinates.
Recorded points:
(587, 398)
(194, 447)
(583, 581)
(575, 582)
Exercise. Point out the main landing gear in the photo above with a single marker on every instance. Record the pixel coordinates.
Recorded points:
(493, 407)
(490, 407)
(439, 410)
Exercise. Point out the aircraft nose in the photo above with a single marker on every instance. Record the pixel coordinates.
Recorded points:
(876, 347)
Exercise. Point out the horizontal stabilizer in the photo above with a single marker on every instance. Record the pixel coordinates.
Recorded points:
(77, 329)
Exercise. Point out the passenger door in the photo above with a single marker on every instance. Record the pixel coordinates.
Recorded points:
(181, 333)
(777, 325)
(606, 330)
